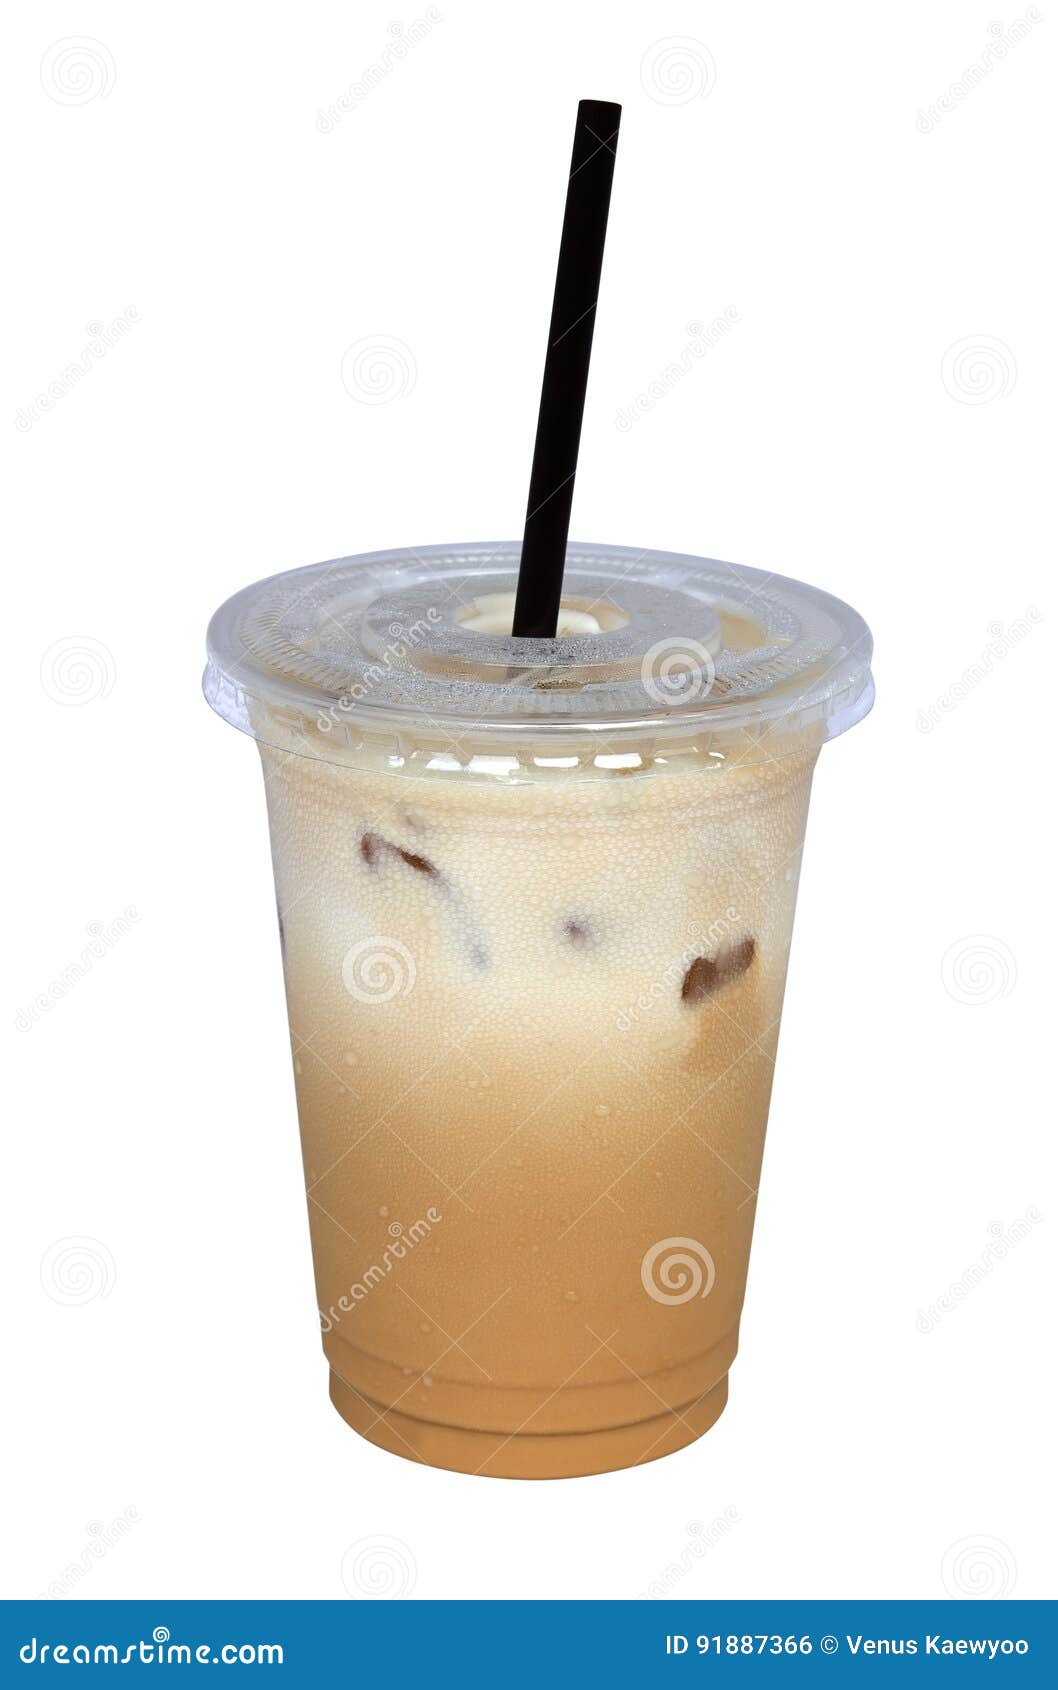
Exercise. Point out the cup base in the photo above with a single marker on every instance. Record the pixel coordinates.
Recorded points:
(526, 1455)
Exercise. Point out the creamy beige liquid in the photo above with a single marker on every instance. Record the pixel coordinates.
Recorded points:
(534, 1030)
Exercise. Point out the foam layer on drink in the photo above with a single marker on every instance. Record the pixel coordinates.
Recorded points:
(534, 1030)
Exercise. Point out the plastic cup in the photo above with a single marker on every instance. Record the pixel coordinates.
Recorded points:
(535, 903)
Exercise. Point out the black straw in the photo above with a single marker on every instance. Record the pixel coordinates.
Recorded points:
(566, 370)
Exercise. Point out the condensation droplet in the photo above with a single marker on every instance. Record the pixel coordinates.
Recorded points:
(383, 1211)
(424, 1326)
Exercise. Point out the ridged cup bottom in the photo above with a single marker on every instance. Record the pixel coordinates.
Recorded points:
(528, 1455)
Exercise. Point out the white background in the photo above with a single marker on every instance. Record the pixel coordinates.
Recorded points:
(837, 432)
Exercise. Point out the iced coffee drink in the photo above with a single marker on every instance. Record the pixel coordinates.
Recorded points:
(535, 900)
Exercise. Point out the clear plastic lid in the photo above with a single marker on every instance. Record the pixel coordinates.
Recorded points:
(406, 657)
